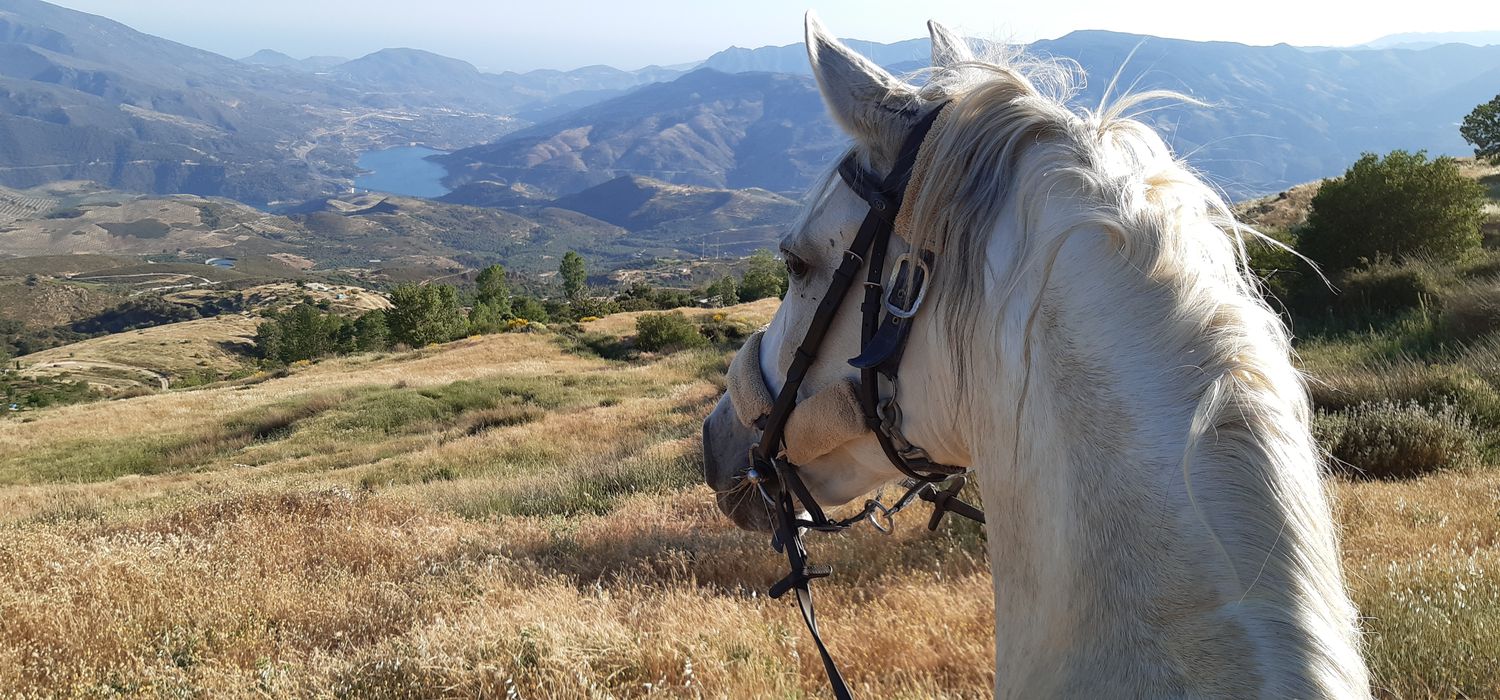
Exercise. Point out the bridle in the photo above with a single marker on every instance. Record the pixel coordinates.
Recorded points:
(886, 313)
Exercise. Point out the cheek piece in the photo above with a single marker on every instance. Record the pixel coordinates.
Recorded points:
(821, 423)
(793, 431)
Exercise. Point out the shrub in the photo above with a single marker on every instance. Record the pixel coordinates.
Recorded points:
(1472, 311)
(1390, 440)
(666, 331)
(1432, 385)
(1399, 206)
(1385, 288)
(1279, 269)
(726, 331)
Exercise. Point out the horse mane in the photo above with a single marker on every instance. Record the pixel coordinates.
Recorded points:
(1011, 145)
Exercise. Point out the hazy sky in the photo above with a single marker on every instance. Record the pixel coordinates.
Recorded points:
(509, 35)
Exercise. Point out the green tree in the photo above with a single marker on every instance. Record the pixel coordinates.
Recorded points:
(486, 318)
(493, 290)
(637, 297)
(724, 291)
(1482, 130)
(303, 333)
(765, 277)
(371, 331)
(575, 275)
(1395, 207)
(530, 309)
(424, 314)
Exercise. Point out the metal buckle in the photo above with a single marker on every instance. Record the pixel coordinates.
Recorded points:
(921, 285)
(876, 511)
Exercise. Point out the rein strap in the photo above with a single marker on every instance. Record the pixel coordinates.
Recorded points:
(881, 341)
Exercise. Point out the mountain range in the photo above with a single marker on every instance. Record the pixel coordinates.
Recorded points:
(1272, 116)
(655, 155)
(84, 97)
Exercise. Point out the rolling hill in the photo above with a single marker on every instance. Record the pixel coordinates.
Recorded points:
(704, 220)
(385, 238)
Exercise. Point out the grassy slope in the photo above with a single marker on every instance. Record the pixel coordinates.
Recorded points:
(145, 357)
(496, 513)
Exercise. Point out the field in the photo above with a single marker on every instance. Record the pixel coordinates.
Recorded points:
(505, 517)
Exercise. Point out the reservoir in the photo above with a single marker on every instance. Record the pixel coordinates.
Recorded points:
(402, 171)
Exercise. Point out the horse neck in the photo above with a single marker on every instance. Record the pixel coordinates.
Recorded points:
(1157, 523)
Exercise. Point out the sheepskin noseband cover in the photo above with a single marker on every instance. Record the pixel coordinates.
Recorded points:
(818, 426)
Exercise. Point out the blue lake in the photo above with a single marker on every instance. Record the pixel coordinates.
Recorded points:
(402, 171)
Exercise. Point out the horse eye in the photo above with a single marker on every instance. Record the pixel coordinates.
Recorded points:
(795, 266)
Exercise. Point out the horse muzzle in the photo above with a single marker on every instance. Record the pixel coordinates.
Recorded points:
(726, 449)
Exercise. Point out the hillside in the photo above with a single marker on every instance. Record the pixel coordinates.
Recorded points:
(706, 128)
(711, 222)
(500, 515)
(149, 359)
(377, 236)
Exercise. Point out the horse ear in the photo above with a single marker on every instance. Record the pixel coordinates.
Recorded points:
(870, 104)
(947, 48)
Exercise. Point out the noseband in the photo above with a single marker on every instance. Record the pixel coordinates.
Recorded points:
(886, 313)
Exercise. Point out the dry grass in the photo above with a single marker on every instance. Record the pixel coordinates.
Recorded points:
(497, 516)
(150, 356)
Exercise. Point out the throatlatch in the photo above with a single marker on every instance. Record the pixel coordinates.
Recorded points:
(887, 313)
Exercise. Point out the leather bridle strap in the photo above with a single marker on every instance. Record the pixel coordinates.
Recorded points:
(884, 200)
(874, 233)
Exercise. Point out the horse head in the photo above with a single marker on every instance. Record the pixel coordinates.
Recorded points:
(838, 455)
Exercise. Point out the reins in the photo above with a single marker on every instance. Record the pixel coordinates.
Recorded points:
(887, 311)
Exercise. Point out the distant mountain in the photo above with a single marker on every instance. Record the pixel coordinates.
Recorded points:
(406, 76)
(706, 128)
(86, 98)
(1425, 40)
(1278, 115)
(792, 58)
(699, 219)
(276, 59)
(409, 76)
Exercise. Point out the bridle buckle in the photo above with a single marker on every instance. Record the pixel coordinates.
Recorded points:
(918, 276)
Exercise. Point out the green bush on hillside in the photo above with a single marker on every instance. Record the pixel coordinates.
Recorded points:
(1385, 288)
(1389, 440)
(1396, 207)
(1472, 311)
(666, 331)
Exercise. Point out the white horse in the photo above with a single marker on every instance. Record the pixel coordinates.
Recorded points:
(1093, 347)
